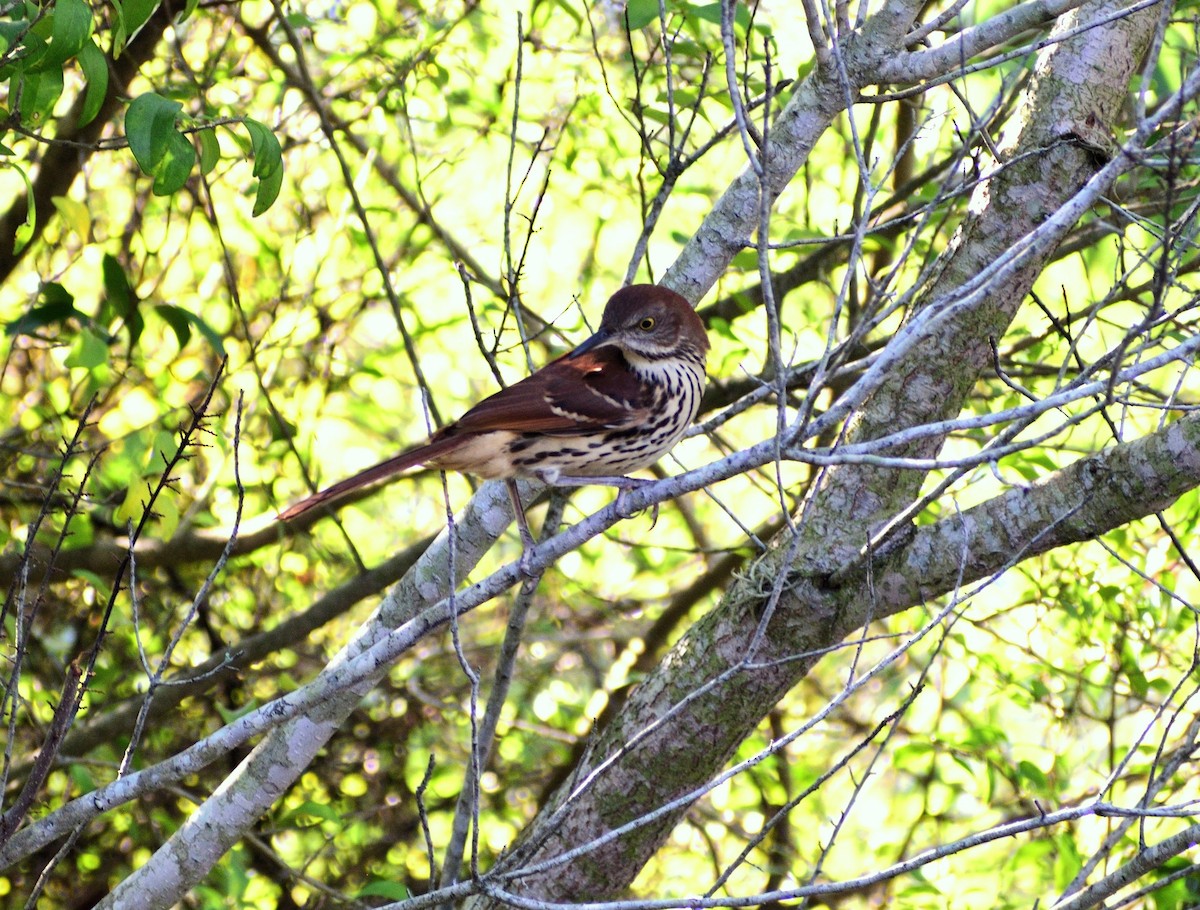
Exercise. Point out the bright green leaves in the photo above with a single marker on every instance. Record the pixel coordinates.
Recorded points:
(268, 164)
(163, 152)
(36, 47)
(92, 339)
(131, 16)
(95, 72)
(120, 299)
(640, 13)
(182, 322)
(56, 306)
(70, 29)
(210, 150)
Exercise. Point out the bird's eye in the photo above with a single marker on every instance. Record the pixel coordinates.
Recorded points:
(646, 324)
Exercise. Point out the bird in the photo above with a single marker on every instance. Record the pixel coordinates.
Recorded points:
(615, 404)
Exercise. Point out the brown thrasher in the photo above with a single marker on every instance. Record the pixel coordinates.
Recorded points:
(616, 403)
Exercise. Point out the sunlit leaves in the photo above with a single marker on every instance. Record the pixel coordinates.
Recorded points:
(1022, 700)
(57, 307)
(131, 16)
(160, 149)
(165, 153)
(120, 299)
(95, 71)
(268, 164)
(71, 26)
(75, 214)
(120, 310)
(89, 351)
(640, 13)
(210, 150)
(36, 51)
(182, 321)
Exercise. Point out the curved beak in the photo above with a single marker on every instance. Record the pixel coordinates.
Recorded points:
(601, 336)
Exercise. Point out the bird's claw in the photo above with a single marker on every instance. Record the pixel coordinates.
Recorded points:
(623, 510)
(653, 516)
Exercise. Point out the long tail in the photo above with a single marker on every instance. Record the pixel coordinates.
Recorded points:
(409, 458)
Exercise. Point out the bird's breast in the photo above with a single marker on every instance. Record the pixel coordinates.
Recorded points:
(669, 404)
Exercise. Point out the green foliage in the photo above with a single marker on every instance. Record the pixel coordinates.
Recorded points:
(161, 150)
(39, 47)
(335, 301)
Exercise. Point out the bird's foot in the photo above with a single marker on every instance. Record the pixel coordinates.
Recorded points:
(623, 490)
(624, 485)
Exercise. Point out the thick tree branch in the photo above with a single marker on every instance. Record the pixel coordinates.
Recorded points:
(616, 783)
(777, 619)
(1089, 498)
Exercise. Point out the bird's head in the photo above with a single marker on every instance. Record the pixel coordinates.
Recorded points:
(650, 323)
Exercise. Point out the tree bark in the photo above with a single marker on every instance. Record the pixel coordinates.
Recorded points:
(683, 723)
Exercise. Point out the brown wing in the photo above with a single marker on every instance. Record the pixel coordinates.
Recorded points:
(576, 393)
(592, 390)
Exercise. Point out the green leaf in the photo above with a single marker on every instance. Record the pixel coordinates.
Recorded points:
(136, 13)
(176, 165)
(268, 191)
(75, 214)
(120, 36)
(229, 715)
(268, 164)
(120, 295)
(1031, 775)
(282, 429)
(72, 26)
(149, 125)
(95, 73)
(12, 33)
(82, 778)
(711, 12)
(24, 231)
(159, 148)
(182, 322)
(264, 147)
(656, 115)
(210, 150)
(59, 306)
(569, 9)
(121, 298)
(392, 891)
(309, 809)
(215, 341)
(640, 13)
(179, 320)
(32, 44)
(39, 93)
(89, 351)
(55, 294)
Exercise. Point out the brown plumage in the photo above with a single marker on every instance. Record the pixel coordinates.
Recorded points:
(616, 403)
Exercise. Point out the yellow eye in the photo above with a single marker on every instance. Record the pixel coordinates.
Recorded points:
(646, 324)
